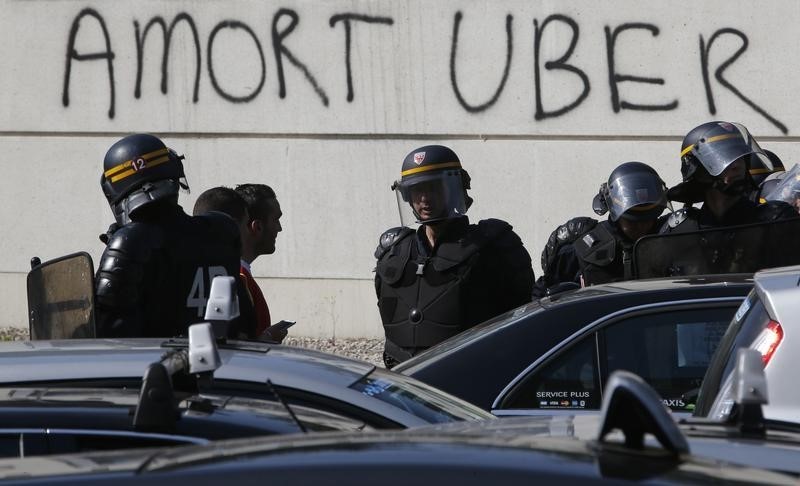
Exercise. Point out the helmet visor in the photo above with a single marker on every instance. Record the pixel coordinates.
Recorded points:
(788, 189)
(636, 196)
(725, 143)
(430, 198)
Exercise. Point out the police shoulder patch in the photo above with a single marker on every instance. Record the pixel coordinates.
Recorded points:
(389, 238)
(677, 217)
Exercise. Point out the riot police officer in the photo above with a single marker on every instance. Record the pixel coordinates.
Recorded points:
(716, 162)
(154, 276)
(587, 252)
(448, 275)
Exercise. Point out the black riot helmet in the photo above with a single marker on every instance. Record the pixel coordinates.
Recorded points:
(707, 150)
(139, 170)
(634, 191)
(432, 186)
(759, 171)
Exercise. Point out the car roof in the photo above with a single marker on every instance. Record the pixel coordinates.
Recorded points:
(315, 376)
(80, 359)
(778, 290)
(661, 288)
(376, 457)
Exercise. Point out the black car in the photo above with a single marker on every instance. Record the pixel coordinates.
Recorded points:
(41, 421)
(557, 353)
(637, 440)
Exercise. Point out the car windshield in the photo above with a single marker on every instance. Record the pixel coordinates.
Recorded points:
(749, 321)
(417, 398)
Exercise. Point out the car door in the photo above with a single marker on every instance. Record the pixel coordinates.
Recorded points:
(669, 345)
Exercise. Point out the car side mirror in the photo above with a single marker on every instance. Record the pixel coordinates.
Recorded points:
(223, 304)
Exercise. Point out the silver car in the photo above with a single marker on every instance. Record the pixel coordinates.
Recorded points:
(769, 321)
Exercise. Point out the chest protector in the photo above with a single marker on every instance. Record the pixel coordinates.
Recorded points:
(425, 299)
(602, 256)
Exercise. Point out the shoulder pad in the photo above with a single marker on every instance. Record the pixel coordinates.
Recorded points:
(575, 227)
(135, 239)
(389, 238)
(563, 235)
(492, 228)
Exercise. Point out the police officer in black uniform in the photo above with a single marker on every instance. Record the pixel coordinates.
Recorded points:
(155, 274)
(448, 275)
(716, 162)
(587, 252)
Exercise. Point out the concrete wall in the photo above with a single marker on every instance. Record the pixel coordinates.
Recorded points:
(322, 100)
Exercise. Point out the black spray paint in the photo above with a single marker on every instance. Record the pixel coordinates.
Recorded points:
(281, 51)
(72, 54)
(558, 64)
(347, 19)
(453, 52)
(167, 35)
(614, 79)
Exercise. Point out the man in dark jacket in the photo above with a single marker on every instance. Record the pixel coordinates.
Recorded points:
(154, 277)
(448, 275)
(584, 251)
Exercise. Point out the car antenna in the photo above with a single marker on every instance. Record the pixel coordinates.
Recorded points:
(286, 406)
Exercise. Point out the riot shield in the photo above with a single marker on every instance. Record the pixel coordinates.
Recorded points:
(733, 249)
(61, 298)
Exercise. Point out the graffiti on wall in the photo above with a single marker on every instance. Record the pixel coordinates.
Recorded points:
(285, 20)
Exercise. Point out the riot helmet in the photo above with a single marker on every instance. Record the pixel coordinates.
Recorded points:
(140, 170)
(785, 187)
(634, 192)
(707, 150)
(432, 186)
(760, 172)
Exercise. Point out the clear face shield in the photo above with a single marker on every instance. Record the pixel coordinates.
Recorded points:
(788, 189)
(725, 143)
(636, 197)
(430, 198)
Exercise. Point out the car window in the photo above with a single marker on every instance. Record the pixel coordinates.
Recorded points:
(571, 381)
(417, 398)
(671, 350)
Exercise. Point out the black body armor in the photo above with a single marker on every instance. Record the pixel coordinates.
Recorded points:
(474, 273)
(154, 277)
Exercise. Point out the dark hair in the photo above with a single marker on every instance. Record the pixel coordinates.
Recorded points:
(222, 199)
(256, 196)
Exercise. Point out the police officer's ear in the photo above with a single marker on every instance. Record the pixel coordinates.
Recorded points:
(600, 201)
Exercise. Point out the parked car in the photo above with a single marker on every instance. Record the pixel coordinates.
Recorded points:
(619, 453)
(345, 387)
(769, 321)
(40, 421)
(556, 354)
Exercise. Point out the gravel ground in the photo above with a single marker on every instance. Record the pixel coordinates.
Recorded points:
(370, 350)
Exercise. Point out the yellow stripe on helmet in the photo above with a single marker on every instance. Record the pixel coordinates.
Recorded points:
(718, 138)
(131, 171)
(147, 158)
(417, 170)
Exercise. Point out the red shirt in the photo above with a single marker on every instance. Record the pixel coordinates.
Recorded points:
(259, 302)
